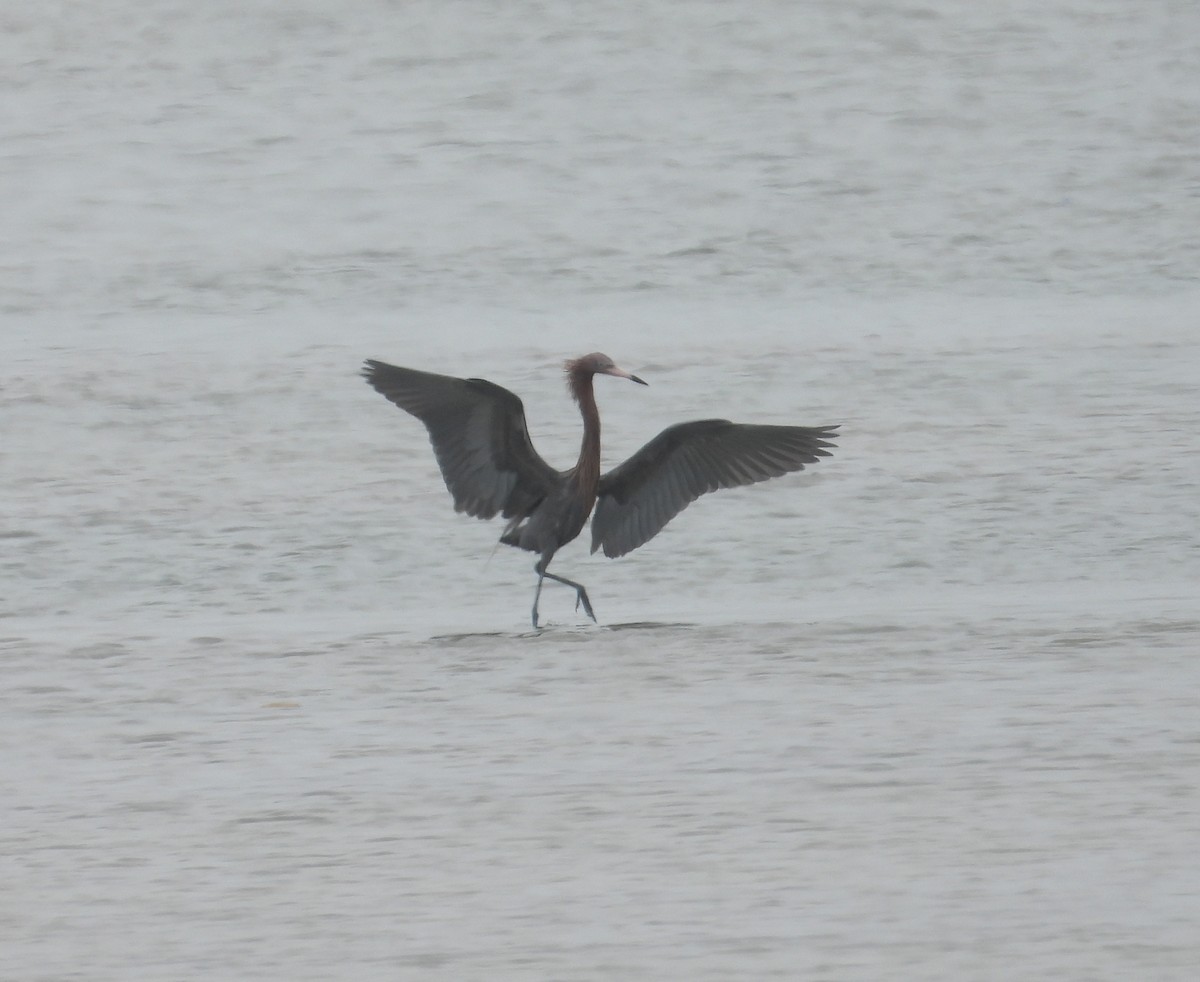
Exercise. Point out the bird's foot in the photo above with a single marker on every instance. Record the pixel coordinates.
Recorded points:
(581, 597)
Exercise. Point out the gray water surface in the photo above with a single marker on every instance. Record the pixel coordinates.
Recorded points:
(268, 710)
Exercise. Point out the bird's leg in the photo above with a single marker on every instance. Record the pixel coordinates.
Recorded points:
(537, 593)
(581, 596)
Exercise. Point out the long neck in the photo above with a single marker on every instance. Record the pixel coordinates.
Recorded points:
(587, 471)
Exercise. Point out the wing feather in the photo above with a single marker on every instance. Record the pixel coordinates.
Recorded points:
(639, 497)
(479, 437)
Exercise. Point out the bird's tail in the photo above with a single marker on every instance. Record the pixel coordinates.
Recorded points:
(511, 536)
(513, 533)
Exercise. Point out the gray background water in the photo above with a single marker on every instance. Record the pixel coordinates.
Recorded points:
(929, 711)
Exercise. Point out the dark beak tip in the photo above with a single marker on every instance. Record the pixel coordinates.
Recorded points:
(634, 378)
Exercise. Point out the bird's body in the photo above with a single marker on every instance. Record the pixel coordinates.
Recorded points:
(482, 445)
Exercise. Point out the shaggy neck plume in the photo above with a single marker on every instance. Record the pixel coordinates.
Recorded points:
(579, 381)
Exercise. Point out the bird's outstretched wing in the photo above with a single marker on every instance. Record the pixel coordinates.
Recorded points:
(478, 434)
(685, 461)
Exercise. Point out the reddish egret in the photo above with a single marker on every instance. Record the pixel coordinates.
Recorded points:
(482, 445)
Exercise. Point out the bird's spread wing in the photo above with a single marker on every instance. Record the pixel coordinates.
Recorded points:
(683, 462)
(478, 434)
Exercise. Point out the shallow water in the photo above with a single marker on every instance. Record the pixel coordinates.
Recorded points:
(270, 711)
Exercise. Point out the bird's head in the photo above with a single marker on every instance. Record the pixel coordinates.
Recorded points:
(597, 364)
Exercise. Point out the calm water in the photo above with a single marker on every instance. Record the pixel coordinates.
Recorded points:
(269, 710)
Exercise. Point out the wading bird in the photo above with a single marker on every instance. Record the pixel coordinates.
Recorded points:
(483, 448)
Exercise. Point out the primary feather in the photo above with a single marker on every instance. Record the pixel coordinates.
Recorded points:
(639, 497)
(479, 437)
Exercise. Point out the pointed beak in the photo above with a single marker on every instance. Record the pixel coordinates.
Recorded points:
(621, 373)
